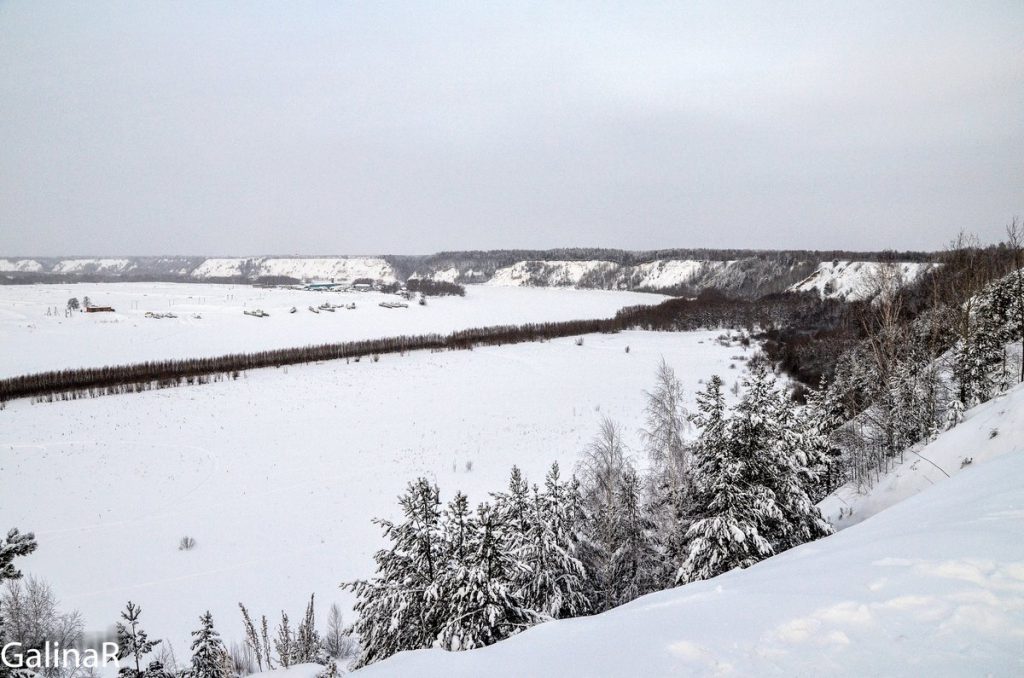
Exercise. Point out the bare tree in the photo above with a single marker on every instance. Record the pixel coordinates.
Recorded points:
(338, 640)
(32, 617)
(666, 423)
(602, 465)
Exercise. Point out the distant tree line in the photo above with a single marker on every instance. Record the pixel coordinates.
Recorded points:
(434, 288)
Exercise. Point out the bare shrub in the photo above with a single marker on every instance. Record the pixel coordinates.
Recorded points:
(186, 543)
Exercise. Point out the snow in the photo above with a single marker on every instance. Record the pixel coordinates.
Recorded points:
(449, 275)
(1000, 422)
(295, 671)
(934, 585)
(220, 268)
(340, 269)
(91, 266)
(852, 280)
(550, 273)
(33, 341)
(278, 474)
(671, 273)
(19, 265)
(659, 274)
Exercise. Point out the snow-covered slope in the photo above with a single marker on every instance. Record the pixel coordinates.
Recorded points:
(999, 423)
(854, 280)
(96, 266)
(552, 273)
(19, 265)
(660, 274)
(340, 269)
(932, 586)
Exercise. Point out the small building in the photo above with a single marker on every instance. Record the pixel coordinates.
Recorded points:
(363, 284)
(99, 309)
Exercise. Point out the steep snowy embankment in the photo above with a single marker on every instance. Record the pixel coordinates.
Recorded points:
(999, 423)
(341, 269)
(854, 280)
(932, 586)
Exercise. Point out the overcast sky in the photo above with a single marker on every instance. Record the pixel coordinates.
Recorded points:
(410, 127)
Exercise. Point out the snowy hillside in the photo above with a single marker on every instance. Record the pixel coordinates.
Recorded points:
(95, 266)
(748, 276)
(552, 273)
(853, 280)
(19, 265)
(338, 269)
(999, 423)
(932, 586)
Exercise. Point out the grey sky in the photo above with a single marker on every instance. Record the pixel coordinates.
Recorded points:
(337, 127)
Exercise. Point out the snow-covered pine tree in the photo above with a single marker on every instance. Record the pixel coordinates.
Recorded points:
(397, 608)
(133, 643)
(793, 458)
(13, 546)
(816, 422)
(308, 648)
(459, 526)
(635, 564)
(208, 651)
(514, 506)
(555, 582)
(482, 605)
(734, 509)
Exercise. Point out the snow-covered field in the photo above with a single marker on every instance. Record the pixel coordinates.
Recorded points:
(32, 341)
(932, 586)
(277, 475)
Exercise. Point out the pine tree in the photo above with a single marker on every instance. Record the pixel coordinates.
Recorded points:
(555, 582)
(482, 605)
(15, 545)
(133, 643)
(208, 651)
(793, 459)
(397, 608)
(734, 508)
(815, 424)
(635, 564)
(459, 526)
